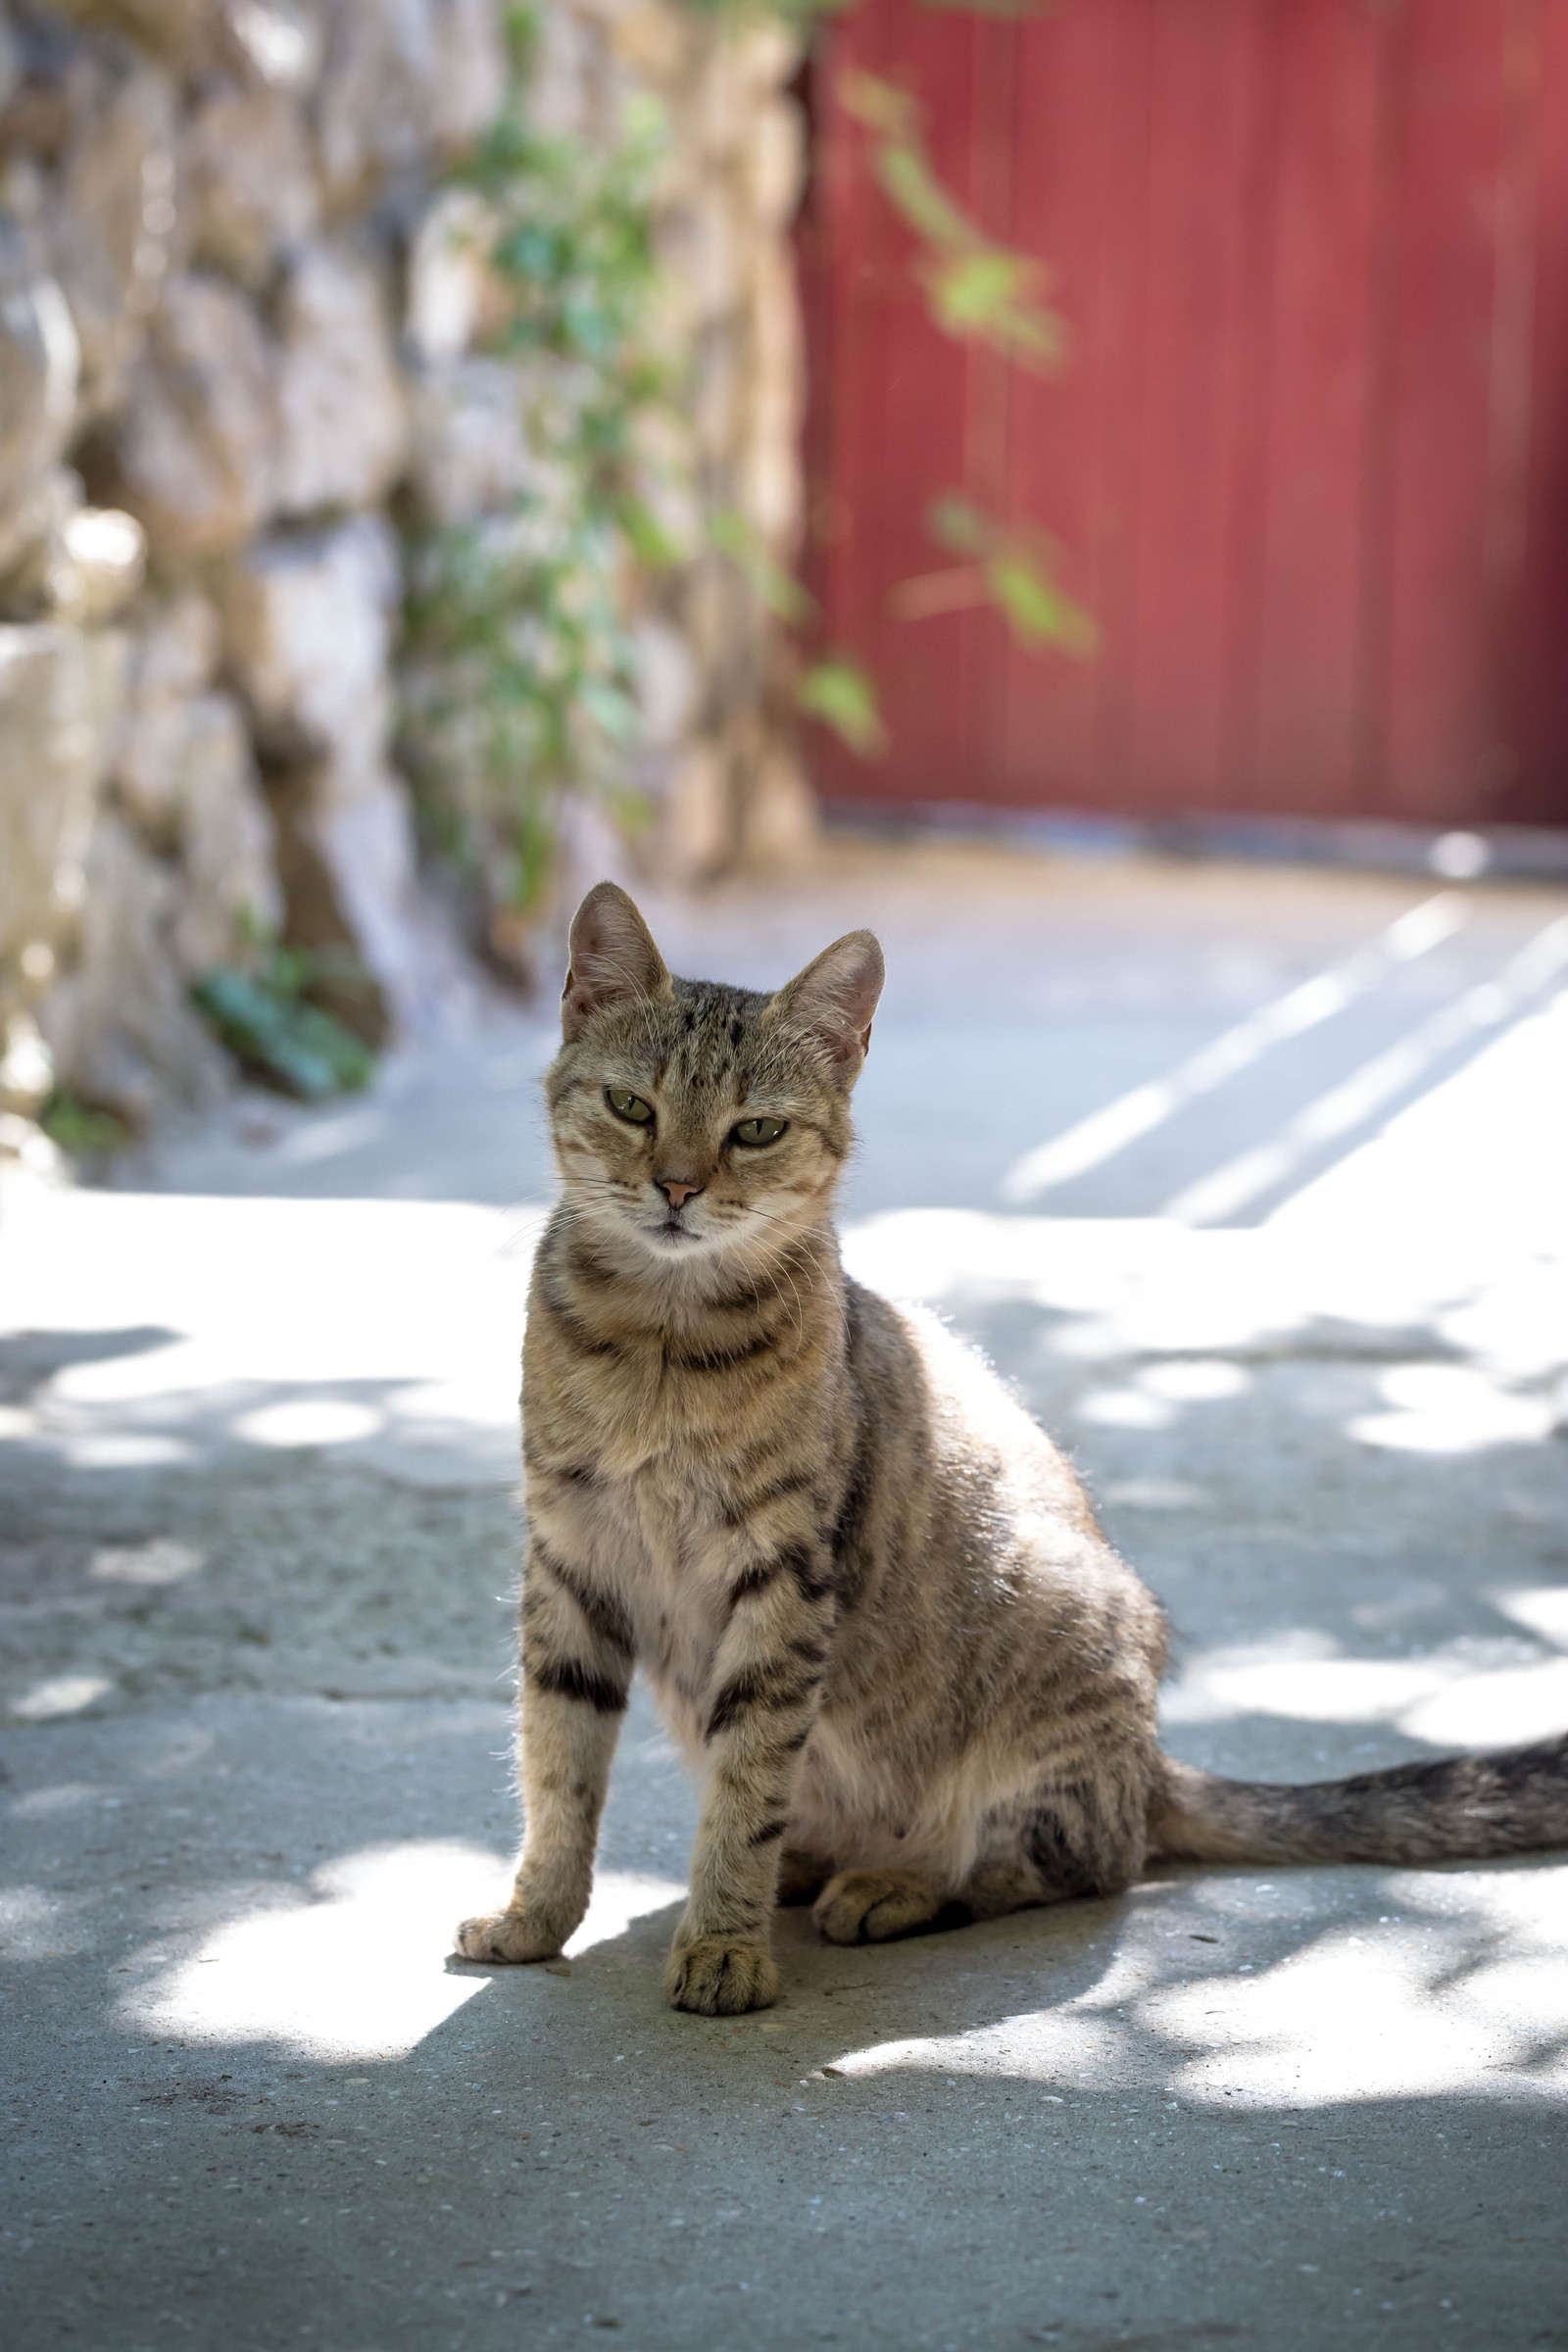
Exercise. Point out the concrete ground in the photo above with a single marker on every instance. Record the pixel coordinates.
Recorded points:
(1256, 1184)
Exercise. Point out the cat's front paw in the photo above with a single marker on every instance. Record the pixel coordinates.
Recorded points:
(719, 1978)
(507, 1936)
(873, 1906)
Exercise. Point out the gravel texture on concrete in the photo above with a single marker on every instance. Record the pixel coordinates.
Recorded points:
(1256, 1184)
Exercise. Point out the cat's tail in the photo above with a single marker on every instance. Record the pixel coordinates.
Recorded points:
(1462, 1808)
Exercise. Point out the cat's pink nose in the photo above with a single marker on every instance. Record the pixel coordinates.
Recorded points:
(675, 1191)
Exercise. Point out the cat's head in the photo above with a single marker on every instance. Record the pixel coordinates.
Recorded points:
(695, 1122)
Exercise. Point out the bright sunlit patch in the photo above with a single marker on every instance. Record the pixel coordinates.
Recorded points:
(88, 1451)
(1195, 1380)
(1456, 1984)
(1451, 1408)
(179, 1364)
(1125, 1409)
(272, 1305)
(1495, 1710)
(1072, 2044)
(160, 1562)
(309, 1421)
(1106, 1132)
(1439, 1698)
(1304, 1689)
(1376, 1083)
(619, 1896)
(1544, 1610)
(62, 1694)
(1395, 2011)
(358, 1973)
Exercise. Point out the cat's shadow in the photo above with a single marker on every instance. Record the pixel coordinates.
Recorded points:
(839, 2001)
(1074, 1997)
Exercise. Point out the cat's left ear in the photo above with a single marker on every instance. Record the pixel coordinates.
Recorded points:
(835, 998)
(614, 959)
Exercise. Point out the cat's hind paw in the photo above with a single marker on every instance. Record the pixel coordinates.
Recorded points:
(715, 1977)
(871, 1906)
(506, 1937)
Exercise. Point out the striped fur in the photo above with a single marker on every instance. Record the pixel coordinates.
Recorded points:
(869, 1593)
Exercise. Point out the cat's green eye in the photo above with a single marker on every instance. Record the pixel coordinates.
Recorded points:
(760, 1131)
(631, 1107)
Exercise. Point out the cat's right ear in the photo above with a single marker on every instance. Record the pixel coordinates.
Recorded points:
(612, 959)
(833, 999)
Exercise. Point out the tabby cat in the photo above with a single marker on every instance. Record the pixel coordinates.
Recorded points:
(869, 1592)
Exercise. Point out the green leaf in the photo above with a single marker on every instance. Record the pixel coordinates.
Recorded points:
(769, 582)
(956, 525)
(978, 290)
(921, 200)
(1018, 568)
(281, 1039)
(82, 1130)
(843, 695)
(1038, 611)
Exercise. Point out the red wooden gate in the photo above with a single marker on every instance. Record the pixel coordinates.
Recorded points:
(1306, 462)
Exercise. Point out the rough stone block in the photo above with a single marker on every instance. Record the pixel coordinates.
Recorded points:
(120, 1025)
(9, 57)
(401, 80)
(451, 290)
(58, 687)
(307, 628)
(173, 27)
(112, 215)
(564, 87)
(171, 659)
(248, 181)
(85, 565)
(343, 427)
(274, 40)
(39, 358)
(368, 847)
(228, 894)
(667, 685)
(469, 453)
(193, 454)
(775, 165)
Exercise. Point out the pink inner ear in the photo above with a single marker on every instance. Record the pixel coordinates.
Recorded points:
(838, 998)
(612, 955)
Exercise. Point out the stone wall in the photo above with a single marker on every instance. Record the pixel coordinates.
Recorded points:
(231, 368)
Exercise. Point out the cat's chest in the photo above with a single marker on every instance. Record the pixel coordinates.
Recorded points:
(661, 1541)
(660, 1525)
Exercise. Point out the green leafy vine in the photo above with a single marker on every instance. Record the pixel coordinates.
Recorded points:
(520, 687)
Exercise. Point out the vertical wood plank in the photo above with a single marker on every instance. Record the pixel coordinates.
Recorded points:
(1437, 753)
(1081, 204)
(1165, 740)
(1528, 556)
(1321, 406)
(901, 393)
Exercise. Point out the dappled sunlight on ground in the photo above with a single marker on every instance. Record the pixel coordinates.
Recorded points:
(352, 1969)
(1441, 1697)
(358, 1967)
(1456, 1986)
(387, 1330)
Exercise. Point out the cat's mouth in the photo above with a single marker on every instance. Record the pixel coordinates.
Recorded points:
(673, 1232)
